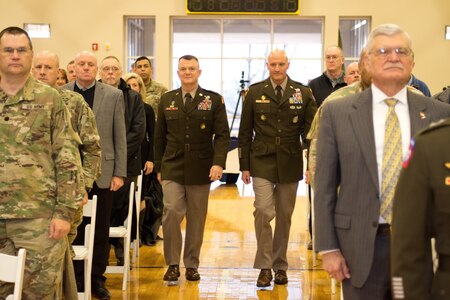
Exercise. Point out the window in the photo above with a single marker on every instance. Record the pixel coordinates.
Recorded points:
(353, 33)
(140, 37)
(228, 48)
(40, 31)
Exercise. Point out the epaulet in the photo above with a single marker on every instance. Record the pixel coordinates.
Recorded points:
(300, 83)
(256, 83)
(211, 92)
(435, 125)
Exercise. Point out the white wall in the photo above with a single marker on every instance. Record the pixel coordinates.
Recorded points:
(77, 24)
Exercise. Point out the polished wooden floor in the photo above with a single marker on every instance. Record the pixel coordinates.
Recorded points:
(226, 262)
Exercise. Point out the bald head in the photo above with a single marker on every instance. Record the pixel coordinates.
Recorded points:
(86, 68)
(352, 73)
(45, 67)
(277, 64)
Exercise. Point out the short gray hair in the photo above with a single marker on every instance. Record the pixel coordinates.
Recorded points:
(388, 30)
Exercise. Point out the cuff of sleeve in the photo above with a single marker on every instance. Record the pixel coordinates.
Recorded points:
(66, 215)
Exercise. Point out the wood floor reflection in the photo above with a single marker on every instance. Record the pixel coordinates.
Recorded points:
(226, 262)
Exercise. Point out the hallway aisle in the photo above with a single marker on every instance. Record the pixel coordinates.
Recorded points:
(226, 263)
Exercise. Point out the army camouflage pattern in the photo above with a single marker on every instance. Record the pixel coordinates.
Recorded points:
(153, 92)
(314, 132)
(83, 122)
(44, 256)
(39, 158)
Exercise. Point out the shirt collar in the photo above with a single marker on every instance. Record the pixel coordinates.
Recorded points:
(283, 84)
(378, 96)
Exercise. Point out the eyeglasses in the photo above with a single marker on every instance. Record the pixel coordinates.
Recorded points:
(385, 52)
(108, 69)
(10, 51)
(332, 57)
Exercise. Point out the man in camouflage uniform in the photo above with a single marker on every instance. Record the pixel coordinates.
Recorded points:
(45, 68)
(40, 175)
(153, 89)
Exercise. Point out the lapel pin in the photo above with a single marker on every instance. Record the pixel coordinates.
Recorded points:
(422, 115)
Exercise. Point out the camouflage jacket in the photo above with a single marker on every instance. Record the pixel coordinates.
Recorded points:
(153, 92)
(83, 122)
(39, 175)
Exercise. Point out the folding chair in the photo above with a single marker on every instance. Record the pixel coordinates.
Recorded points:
(124, 232)
(85, 252)
(137, 200)
(12, 270)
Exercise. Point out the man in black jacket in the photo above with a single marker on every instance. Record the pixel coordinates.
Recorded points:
(110, 73)
(333, 77)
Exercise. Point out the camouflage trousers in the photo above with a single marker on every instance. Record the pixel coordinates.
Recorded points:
(44, 256)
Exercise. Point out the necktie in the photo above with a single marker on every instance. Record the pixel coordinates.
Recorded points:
(278, 90)
(392, 157)
(188, 101)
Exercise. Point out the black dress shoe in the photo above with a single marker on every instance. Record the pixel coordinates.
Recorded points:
(100, 291)
(281, 277)
(264, 278)
(172, 273)
(192, 274)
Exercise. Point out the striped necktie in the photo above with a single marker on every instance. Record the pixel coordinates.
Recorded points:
(392, 159)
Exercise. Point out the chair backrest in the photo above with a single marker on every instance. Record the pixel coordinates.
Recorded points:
(131, 195)
(12, 270)
(90, 210)
(137, 201)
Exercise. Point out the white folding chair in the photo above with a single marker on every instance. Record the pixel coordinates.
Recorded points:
(137, 200)
(12, 270)
(124, 232)
(85, 252)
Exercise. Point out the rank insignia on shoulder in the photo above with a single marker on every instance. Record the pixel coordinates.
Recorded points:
(409, 154)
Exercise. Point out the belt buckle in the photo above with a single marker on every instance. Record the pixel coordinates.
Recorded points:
(187, 147)
(277, 140)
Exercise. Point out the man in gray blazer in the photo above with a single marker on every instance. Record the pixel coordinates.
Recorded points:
(108, 106)
(352, 229)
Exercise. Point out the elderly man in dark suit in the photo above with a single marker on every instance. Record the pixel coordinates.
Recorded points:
(108, 106)
(361, 141)
(192, 140)
(276, 116)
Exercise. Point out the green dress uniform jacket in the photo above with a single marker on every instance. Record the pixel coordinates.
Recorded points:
(269, 135)
(422, 209)
(189, 141)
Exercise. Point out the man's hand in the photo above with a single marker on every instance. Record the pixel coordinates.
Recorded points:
(307, 179)
(246, 177)
(336, 266)
(116, 183)
(215, 173)
(148, 167)
(85, 200)
(58, 229)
